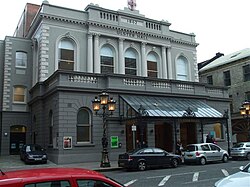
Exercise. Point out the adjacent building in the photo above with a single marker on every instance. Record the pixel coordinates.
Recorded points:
(233, 71)
(59, 59)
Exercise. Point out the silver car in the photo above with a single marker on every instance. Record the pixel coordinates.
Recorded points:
(241, 150)
(204, 152)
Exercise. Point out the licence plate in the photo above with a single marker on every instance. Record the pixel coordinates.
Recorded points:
(189, 155)
(38, 158)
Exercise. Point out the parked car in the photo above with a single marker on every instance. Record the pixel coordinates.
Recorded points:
(144, 158)
(33, 153)
(56, 177)
(241, 150)
(241, 179)
(204, 152)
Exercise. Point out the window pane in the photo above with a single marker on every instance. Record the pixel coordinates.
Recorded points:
(130, 66)
(152, 69)
(246, 72)
(83, 117)
(83, 134)
(21, 59)
(66, 55)
(19, 94)
(181, 68)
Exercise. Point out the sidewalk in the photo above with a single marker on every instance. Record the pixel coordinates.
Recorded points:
(13, 162)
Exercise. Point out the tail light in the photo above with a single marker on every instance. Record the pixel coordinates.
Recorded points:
(130, 158)
(197, 153)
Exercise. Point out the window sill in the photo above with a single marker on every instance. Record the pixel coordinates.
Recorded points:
(84, 145)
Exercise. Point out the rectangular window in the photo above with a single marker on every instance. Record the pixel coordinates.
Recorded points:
(66, 59)
(152, 69)
(227, 78)
(19, 95)
(107, 65)
(49, 184)
(246, 72)
(21, 59)
(83, 133)
(130, 66)
(210, 79)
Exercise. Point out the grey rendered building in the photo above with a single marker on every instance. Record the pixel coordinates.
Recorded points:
(59, 59)
(233, 71)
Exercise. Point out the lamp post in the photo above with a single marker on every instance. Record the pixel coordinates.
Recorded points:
(108, 106)
(226, 118)
(245, 112)
(141, 112)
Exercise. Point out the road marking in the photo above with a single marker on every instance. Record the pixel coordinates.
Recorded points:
(175, 174)
(130, 182)
(195, 176)
(164, 180)
(225, 172)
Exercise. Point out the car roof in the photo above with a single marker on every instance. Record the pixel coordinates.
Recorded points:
(48, 173)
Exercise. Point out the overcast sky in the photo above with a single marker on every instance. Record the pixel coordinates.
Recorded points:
(219, 25)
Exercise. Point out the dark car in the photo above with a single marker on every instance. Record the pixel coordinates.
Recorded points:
(33, 153)
(144, 158)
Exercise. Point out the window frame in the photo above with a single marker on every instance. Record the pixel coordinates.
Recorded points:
(107, 60)
(180, 74)
(63, 50)
(246, 72)
(16, 95)
(210, 79)
(130, 62)
(25, 60)
(227, 78)
(89, 125)
(152, 62)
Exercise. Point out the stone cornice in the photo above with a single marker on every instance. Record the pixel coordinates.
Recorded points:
(63, 19)
(96, 24)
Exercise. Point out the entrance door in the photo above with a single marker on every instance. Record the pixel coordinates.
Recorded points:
(164, 136)
(17, 138)
(188, 133)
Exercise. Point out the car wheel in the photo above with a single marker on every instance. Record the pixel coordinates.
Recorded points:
(225, 158)
(202, 161)
(174, 163)
(142, 166)
(248, 156)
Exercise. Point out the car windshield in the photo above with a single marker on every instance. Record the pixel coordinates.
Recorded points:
(238, 145)
(30, 148)
(190, 148)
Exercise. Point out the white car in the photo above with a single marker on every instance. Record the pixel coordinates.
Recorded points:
(241, 179)
(203, 153)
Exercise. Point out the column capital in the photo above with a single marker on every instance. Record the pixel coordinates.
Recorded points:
(121, 39)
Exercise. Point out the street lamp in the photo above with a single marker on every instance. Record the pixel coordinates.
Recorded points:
(141, 112)
(108, 106)
(245, 112)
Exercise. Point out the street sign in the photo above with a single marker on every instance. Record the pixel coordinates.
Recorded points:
(133, 128)
(114, 142)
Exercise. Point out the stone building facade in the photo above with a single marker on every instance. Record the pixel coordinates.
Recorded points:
(52, 71)
(233, 71)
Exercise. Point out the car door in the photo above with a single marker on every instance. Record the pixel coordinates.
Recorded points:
(148, 155)
(215, 152)
(162, 157)
(207, 152)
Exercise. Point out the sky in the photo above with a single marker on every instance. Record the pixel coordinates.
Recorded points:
(219, 25)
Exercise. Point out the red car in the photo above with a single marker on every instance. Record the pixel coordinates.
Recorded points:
(56, 177)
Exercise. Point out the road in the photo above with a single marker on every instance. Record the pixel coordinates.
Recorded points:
(184, 175)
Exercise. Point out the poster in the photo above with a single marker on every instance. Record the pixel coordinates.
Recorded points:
(67, 142)
(114, 141)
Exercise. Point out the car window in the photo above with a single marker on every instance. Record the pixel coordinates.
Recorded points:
(205, 147)
(214, 147)
(92, 183)
(147, 151)
(239, 145)
(248, 145)
(158, 151)
(191, 148)
(50, 184)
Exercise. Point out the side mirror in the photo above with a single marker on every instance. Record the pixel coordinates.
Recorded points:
(241, 168)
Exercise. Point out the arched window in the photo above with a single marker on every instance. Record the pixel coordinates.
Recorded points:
(83, 126)
(107, 60)
(66, 54)
(152, 65)
(130, 62)
(181, 69)
(21, 59)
